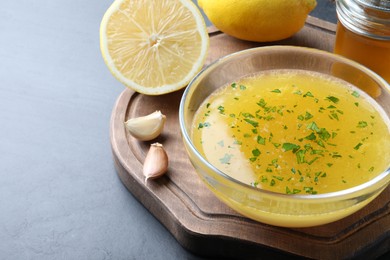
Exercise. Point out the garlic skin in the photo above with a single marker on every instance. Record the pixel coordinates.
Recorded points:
(146, 128)
(156, 162)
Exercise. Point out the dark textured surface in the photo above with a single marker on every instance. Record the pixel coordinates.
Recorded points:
(60, 197)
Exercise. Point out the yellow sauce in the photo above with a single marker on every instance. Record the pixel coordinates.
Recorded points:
(373, 53)
(294, 133)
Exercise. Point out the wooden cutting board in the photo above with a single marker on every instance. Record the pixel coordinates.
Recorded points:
(197, 219)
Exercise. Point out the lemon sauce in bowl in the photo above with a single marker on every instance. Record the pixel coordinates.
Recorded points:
(293, 132)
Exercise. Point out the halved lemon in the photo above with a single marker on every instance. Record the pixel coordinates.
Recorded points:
(154, 46)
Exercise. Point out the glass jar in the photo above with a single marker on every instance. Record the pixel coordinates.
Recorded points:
(363, 33)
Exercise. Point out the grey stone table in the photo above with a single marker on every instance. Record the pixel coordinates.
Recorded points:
(60, 197)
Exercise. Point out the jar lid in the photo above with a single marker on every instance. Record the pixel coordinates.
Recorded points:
(370, 18)
(383, 5)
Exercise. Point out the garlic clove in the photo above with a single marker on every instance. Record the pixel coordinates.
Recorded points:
(146, 128)
(156, 162)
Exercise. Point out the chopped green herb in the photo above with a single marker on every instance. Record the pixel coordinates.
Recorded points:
(226, 158)
(320, 143)
(313, 126)
(323, 134)
(256, 152)
(261, 103)
(201, 125)
(320, 152)
(309, 190)
(237, 142)
(253, 123)
(333, 99)
(242, 87)
(308, 116)
(355, 94)
(308, 94)
(294, 191)
(260, 140)
(301, 156)
(335, 116)
(247, 115)
(313, 160)
(289, 146)
(358, 146)
(311, 136)
(362, 124)
(279, 178)
(276, 91)
(221, 109)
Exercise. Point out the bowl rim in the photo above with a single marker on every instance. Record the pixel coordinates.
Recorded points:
(336, 194)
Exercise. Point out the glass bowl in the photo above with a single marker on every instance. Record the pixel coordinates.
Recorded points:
(287, 210)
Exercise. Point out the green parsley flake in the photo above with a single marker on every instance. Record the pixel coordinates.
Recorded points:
(358, 146)
(226, 158)
(253, 123)
(355, 94)
(201, 125)
(260, 140)
(256, 152)
(311, 136)
(313, 126)
(362, 124)
(301, 156)
(221, 109)
(308, 116)
(308, 94)
(333, 99)
(289, 146)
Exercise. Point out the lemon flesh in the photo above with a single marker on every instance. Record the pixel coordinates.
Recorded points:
(258, 20)
(154, 46)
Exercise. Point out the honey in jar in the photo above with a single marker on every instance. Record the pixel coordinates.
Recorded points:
(363, 33)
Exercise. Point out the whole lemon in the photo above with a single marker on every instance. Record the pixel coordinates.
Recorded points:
(258, 20)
